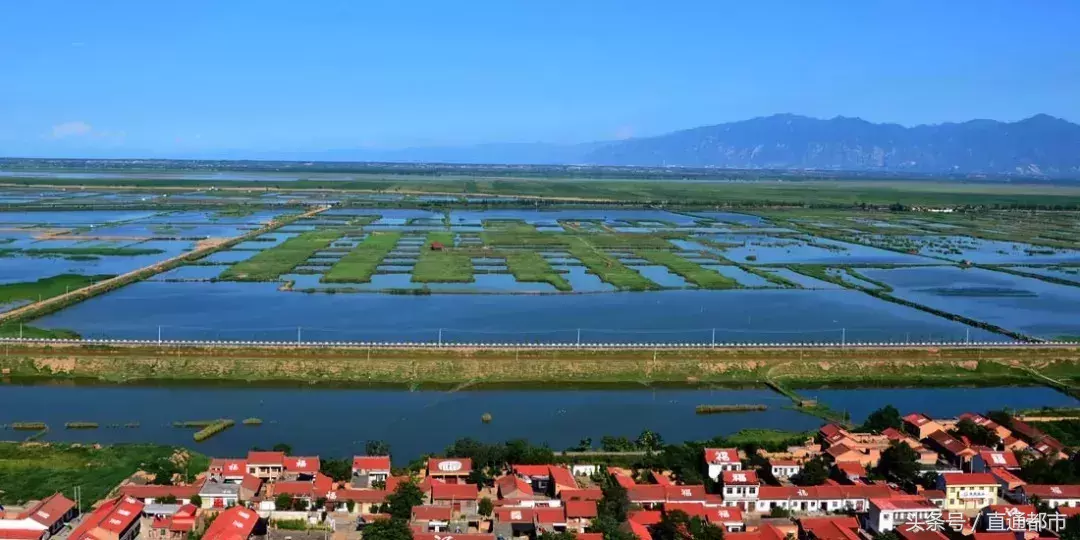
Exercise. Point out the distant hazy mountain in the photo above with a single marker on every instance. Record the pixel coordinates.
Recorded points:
(1040, 145)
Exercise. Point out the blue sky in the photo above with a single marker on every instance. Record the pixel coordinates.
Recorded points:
(179, 78)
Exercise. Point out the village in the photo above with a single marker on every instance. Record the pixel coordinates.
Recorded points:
(915, 478)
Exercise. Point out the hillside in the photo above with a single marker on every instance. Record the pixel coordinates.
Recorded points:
(1040, 145)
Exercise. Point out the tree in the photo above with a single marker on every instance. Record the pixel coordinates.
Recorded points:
(376, 448)
(649, 441)
(677, 525)
(282, 447)
(388, 529)
(616, 444)
(403, 499)
(779, 512)
(882, 419)
(299, 505)
(975, 433)
(485, 507)
(320, 502)
(338, 469)
(350, 505)
(814, 473)
(168, 499)
(162, 470)
(899, 461)
(584, 445)
(196, 500)
(614, 501)
(283, 501)
(552, 535)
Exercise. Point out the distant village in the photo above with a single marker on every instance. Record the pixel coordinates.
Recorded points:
(920, 478)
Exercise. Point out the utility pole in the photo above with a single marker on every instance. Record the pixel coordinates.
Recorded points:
(579, 337)
(297, 335)
(713, 337)
(967, 335)
(440, 337)
(159, 334)
(843, 337)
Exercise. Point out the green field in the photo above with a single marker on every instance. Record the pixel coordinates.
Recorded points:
(691, 271)
(608, 268)
(446, 265)
(46, 287)
(271, 263)
(532, 267)
(30, 472)
(359, 264)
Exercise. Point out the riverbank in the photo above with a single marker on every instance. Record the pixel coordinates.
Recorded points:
(461, 367)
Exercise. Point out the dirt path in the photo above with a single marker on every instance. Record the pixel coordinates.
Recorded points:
(202, 248)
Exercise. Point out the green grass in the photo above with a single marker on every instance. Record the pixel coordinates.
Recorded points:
(359, 264)
(442, 266)
(531, 266)
(46, 287)
(691, 271)
(610, 269)
(213, 429)
(34, 472)
(523, 237)
(15, 329)
(271, 263)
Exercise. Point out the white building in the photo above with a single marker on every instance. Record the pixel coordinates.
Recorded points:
(886, 514)
(722, 459)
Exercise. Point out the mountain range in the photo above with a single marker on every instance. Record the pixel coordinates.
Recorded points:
(1041, 146)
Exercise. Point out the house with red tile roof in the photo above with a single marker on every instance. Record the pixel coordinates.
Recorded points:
(367, 470)
(888, 514)
(784, 468)
(951, 448)
(820, 498)
(968, 491)
(432, 518)
(40, 519)
(177, 526)
(719, 460)
(638, 530)
(550, 519)
(842, 453)
(590, 494)
(852, 471)
(740, 488)
(236, 523)
(647, 495)
(115, 519)
(561, 478)
(456, 536)
(461, 497)
(301, 466)
(514, 521)
(829, 528)
(579, 514)
(979, 420)
(149, 493)
(728, 518)
(685, 493)
(228, 469)
(921, 426)
(363, 499)
(1053, 495)
(308, 491)
(266, 465)
(513, 487)
(449, 470)
(986, 460)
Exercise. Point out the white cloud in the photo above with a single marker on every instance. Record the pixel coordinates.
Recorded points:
(72, 129)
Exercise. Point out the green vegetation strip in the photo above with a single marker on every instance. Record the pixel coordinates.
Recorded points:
(803, 368)
(271, 263)
(252, 422)
(46, 287)
(81, 425)
(531, 266)
(610, 269)
(444, 265)
(213, 429)
(29, 426)
(359, 264)
(716, 409)
(30, 472)
(691, 271)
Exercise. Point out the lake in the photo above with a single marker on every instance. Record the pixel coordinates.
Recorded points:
(246, 311)
(336, 422)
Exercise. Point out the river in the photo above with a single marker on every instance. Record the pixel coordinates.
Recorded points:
(334, 422)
